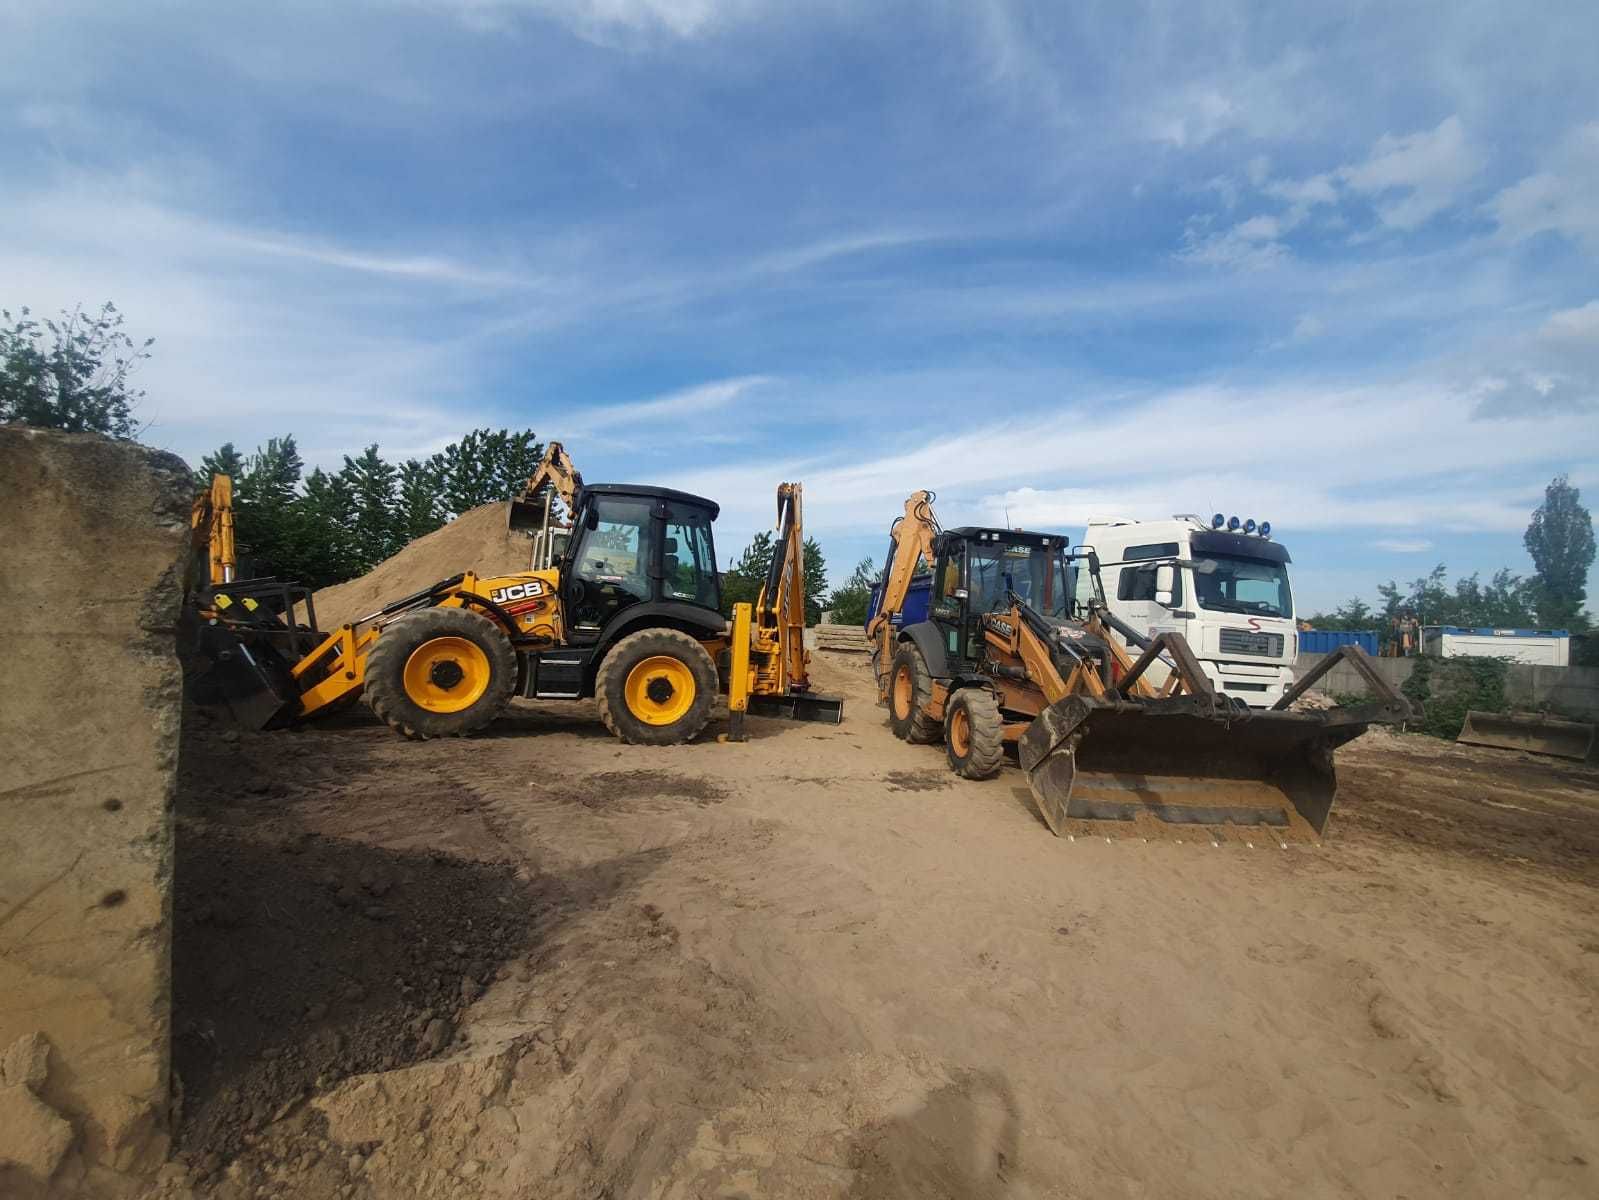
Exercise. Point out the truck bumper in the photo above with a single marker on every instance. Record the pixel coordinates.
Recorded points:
(1257, 685)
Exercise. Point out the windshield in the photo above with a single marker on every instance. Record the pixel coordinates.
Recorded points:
(1038, 576)
(1243, 585)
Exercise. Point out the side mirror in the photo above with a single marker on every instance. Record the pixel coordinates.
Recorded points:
(1165, 581)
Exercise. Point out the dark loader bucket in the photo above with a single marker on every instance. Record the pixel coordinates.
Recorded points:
(1533, 733)
(1170, 769)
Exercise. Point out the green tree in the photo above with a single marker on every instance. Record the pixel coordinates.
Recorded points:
(70, 373)
(742, 584)
(374, 492)
(1560, 540)
(224, 461)
(1506, 599)
(484, 466)
(419, 509)
(815, 581)
(849, 602)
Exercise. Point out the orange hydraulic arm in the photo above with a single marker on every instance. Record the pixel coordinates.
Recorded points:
(211, 526)
(913, 536)
(557, 471)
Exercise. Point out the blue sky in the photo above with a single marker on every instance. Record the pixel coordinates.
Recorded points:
(1332, 265)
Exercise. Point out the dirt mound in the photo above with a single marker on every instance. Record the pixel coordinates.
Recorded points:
(474, 541)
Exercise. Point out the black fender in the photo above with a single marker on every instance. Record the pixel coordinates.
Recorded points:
(692, 619)
(929, 639)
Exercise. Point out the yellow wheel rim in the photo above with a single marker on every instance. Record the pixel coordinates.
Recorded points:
(903, 689)
(960, 732)
(660, 690)
(447, 674)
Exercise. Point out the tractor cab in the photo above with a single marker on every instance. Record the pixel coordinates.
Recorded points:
(633, 545)
(978, 569)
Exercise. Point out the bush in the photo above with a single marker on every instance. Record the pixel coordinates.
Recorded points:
(1446, 688)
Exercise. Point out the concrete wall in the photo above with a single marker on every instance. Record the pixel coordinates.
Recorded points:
(1572, 691)
(92, 533)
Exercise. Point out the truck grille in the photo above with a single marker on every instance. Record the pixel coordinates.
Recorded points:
(1247, 641)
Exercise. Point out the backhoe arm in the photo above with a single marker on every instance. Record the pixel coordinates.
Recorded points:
(554, 470)
(211, 528)
(780, 608)
(913, 536)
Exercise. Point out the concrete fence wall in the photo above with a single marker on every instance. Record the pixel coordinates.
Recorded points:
(1571, 691)
(92, 533)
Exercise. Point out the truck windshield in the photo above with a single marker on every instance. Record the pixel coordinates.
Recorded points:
(1244, 585)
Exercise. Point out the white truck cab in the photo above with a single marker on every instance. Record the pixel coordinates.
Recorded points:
(1222, 584)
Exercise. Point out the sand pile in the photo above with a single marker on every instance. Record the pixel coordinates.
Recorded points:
(474, 541)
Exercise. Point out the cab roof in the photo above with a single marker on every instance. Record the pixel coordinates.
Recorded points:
(654, 493)
(984, 533)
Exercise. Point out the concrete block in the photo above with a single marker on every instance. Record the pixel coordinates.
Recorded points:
(93, 534)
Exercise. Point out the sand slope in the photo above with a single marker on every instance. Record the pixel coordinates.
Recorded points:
(475, 541)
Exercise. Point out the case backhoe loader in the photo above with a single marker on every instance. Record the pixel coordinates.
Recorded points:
(1008, 654)
(629, 615)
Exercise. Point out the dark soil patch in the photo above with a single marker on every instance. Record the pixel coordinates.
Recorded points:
(619, 789)
(918, 781)
(298, 963)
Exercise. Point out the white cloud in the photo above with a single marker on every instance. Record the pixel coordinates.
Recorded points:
(1308, 328)
(689, 402)
(1250, 244)
(1563, 198)
(1352, 479)
(1402, 545)
(1573, 325)
(604, 20)
(1413, 178)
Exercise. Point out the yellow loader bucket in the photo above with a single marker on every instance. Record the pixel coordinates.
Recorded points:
(1181, 768)
(1536, 734)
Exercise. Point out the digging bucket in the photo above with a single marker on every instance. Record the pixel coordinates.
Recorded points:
(1536, 734)
(1170, 769)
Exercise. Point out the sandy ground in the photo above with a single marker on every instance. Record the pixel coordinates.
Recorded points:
(818, 964)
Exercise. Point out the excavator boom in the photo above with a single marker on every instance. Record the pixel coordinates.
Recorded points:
(769, 671)
(555, 478)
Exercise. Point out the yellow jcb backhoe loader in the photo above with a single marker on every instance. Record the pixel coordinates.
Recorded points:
(629, 615)
(1009, 654)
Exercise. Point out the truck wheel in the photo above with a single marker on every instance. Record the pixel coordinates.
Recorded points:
(974, 736)
(440, 672)
(656, 688)
(910, 692)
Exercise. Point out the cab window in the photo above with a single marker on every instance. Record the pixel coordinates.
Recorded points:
(613, 558)
(688, 559)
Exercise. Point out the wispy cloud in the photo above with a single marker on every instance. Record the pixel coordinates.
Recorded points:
(1558, 199)
(676, 406)
(1402, 545)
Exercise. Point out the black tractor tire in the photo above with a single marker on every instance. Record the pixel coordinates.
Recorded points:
(974, 734)
(676, 717)
(447, 632)
(910, 694)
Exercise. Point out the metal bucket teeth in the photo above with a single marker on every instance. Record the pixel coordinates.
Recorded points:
(1158, 770)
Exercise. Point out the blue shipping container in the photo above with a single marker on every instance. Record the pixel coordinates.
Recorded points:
(1325, 641)
(917, 597)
